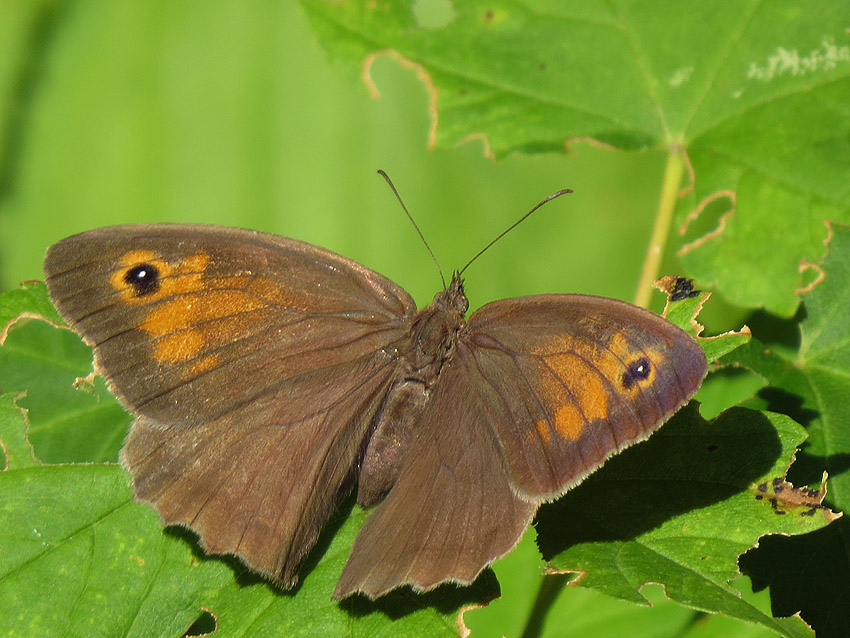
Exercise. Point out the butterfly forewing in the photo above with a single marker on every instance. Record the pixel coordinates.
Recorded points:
(254, 364)
(226, 308)
(570, 380)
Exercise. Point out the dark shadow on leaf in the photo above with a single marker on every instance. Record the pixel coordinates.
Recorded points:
(809, 573)
(773, 330)
(689, 464)
(198, 555)
(245, 577)
(808, 469)
(204, 625)
(779, 400)
(316, 554)
(445, 599)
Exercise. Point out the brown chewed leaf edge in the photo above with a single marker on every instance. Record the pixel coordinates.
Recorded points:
(14, 440)
(784, 499)
(30, 301)
(684, 303)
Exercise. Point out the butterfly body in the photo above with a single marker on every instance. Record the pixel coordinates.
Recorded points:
(268, 377)
(434, 333)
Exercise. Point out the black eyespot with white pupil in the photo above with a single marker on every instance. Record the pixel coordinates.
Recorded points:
(636, 372)
(144, 279)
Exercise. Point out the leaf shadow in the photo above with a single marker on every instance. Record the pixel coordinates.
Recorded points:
(445, 599)
(773, 330)
(784, 402)
(243, 575)
(806, 574)
(688, 465)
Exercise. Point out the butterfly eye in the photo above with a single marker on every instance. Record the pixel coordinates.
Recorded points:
(144, 278)
(637, 371)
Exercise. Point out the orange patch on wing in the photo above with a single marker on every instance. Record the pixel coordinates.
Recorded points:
(592, 372)
(587, 375)
(543, 431)
(204, 306)
(179, 346)
(588, 399)
(215, 304)
(570, 422)
(183, 278)
(207, 363)
(190, 313)
(190, 323)
(173, 279)
(187, 312)
(169, 317)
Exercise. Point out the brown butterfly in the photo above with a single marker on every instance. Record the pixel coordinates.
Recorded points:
(268, 377)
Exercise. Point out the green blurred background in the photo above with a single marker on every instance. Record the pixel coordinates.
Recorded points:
(230, 113)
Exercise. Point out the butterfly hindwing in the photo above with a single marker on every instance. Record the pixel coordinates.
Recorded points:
(451, 512)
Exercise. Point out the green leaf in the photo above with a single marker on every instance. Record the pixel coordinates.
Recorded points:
(752, 93)
(66, 423)
(809, 573)
(70, 535)
(684, 314)
(29, 300)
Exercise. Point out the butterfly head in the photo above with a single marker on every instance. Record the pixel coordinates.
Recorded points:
(453, 299)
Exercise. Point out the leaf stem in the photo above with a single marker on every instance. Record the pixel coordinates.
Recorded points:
(673, 171)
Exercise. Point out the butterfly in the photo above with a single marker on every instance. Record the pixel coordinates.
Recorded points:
(269, 378)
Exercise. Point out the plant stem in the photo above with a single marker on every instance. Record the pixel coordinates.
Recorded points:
(550, 586)
(673, 171)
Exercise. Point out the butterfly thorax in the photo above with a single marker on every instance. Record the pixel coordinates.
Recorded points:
(435, 331)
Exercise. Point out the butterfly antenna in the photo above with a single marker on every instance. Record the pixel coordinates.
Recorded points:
(415, 225)
(514, 225)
